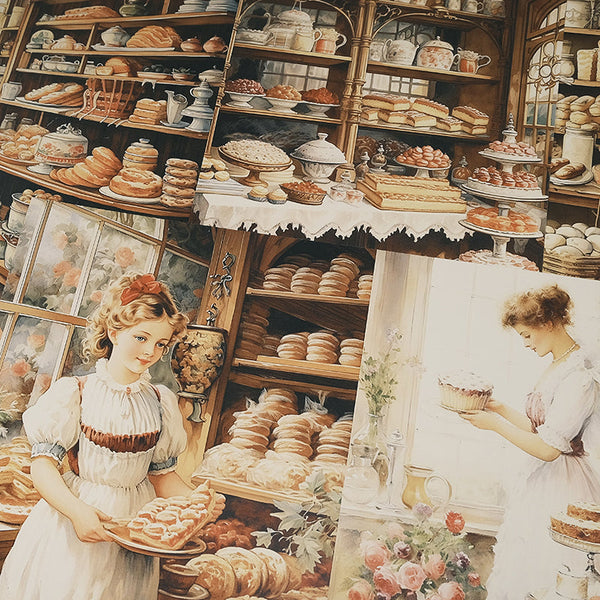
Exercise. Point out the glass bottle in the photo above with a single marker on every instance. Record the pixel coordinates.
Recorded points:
(361, 483)
(363, 168)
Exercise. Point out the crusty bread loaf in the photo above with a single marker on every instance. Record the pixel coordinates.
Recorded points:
(154, 36)
(557, 163)
(582, 103)
(570, 171)
(90, 12)
(35, 95)
(119, 66)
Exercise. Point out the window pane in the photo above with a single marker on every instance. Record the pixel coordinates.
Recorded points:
(147, 225)
(116, 254)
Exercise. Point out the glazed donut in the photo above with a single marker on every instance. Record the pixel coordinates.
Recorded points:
(182, 163)
(136, 183)
(99, 168)
(180, 192)
(177, 172)
(107, 156)
(182, 182)
(82, 171)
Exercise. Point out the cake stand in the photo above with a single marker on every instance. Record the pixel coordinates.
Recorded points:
(589, 548)
(255, 169)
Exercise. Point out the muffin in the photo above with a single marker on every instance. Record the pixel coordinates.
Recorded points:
(464, 390)
(258, 193)
(277, 196)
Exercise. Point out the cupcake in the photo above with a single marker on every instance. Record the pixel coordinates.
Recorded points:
(277, 196)
(258, 193)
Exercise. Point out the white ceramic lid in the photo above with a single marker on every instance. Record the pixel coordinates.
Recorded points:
(66, 133)
(437, 43)
(320, 151)
(294, 17)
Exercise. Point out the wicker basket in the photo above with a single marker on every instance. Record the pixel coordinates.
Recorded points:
(311, 198)
(584, 267)
(109, 98)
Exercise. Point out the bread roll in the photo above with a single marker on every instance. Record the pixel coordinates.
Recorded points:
(570, 171)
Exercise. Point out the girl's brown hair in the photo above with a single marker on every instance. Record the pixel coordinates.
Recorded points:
(535, 308)
(113, 313)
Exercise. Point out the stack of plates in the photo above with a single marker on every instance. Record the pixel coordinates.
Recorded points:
(192, 6)
(222, 6)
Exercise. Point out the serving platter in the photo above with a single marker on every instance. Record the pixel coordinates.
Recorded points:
(106, 191)
(42, 104)
(574, 543)
(499, 233)
(584, 178)
(509, 198)
(120, 534)
(460, 411)
(254, 169)
(510, 158)
(16, 161)
(153, 75)
(102, 48)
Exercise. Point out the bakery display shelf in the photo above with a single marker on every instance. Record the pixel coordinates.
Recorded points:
(287, 296)
(425, 11)
(249, 491)
(132, 54)
(580, 31)
(461, 135)
(273, 113)
(288, 55)
(585, 83)
(156, 210)
(72, 112)
(9, 28)
(174, 19)
(111, 77)
(266, 379)
(383, 68)
(300, 367)
(584, 196)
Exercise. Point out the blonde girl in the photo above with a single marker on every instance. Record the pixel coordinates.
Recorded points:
(121, 435)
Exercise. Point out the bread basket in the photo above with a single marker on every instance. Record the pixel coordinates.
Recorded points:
(311, 198)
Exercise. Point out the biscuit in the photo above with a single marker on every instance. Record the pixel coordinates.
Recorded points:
(182, 163)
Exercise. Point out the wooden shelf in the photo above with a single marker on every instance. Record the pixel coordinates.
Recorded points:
(9, 28)
(584, 83)
(249, 491)
(155, 210)
(312, 298)
(182, 19)
(580, 31)
(455, 17)
(111, 77)
(300, 367)
(138, 53)
(109, 121)
(383, 68)
(317, 59)
(423, 131)
(273, 114)
(583, 196)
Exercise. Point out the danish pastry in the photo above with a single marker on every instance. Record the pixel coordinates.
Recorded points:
(136, 183)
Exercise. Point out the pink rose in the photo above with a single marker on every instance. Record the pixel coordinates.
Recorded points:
(20, 367)
(361, 590)
(36, 341)
(60, 240)
(71, 278)
(96, 296)
(435, 566)
(451, 590)
(124, 257)
(385, 581)
(61, 268)
(375, 554)
(433, 596)
(474, 579)
(411, 577)
(395, 530)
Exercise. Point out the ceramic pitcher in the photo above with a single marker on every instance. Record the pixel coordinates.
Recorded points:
(418, 486)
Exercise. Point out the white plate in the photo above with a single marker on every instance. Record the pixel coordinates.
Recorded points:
(508, 198)
(42, 36)
(460, 411)
(316, 108)
(106, 191)
(584, 178)
(565, 540)
(422, 168)
(179, 125)
(497, 233)
(41, 104)
(102, 48)
(510, 158)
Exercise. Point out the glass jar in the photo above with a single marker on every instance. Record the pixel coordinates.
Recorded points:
(578, 146)
(378, 161)
(361, 483)
(373, 436)
(339, 191)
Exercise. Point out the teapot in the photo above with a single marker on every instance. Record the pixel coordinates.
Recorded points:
(419, 487)
(66, 42)
(175, 105)
(400, 52)
(436, 54)
(191, 45)
(215, 45)
(114, 36)
(134, 8)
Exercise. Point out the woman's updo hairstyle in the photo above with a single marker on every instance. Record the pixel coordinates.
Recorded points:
(535, 308)
(132, 298)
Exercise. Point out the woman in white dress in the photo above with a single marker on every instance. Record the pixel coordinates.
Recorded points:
(122, 436)
(552, 431)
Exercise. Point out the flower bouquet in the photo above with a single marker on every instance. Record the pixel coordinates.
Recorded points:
(420, 560)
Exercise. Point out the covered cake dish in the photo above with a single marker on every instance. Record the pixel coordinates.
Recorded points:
(319, 158)
(436, 54)
(64, 147)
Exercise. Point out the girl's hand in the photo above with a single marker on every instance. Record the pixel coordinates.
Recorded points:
(482, 419)
(494, 406)
(87, 522)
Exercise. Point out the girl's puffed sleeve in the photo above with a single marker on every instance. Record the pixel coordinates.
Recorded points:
(52, 424)
(572, 406)
(173, 439)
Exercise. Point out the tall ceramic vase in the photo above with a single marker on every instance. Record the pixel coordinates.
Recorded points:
(197, 361)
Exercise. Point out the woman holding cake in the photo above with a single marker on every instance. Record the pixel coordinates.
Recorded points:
(122, 436)
(552, 431)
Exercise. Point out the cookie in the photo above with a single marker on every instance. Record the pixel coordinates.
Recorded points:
(182, 163)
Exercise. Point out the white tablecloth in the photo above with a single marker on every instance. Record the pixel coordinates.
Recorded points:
(238, 212)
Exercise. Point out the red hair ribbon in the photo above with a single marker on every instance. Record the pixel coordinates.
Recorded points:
(146, 284)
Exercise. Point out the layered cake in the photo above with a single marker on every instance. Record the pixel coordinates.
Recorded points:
(464, 390)
(518, 184)
(581, 522)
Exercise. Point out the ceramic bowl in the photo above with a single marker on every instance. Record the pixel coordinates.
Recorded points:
(319, 109)
(316, 171)
(282, 105)
(178, 578)
(183, 76)
(242, 100)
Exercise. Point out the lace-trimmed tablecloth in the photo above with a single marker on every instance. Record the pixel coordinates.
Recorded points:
(238, 212)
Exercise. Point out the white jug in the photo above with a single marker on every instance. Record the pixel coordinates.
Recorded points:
(175, 105)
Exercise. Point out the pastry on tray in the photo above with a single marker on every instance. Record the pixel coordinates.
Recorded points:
(169, 523)
(464, 391)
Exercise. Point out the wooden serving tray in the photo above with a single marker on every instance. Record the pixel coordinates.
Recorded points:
(412, 205)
